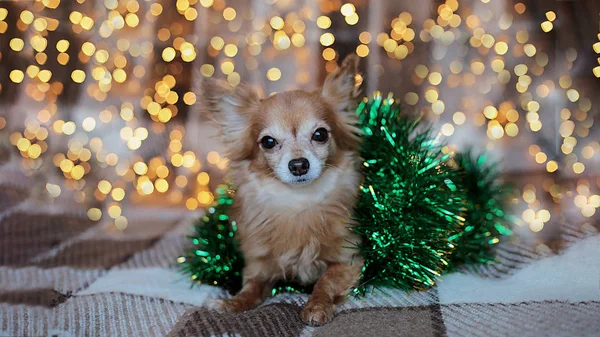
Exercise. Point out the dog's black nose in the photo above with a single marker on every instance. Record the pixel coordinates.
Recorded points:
(299, 166)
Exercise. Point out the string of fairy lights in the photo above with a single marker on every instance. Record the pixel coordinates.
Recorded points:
(498, 49)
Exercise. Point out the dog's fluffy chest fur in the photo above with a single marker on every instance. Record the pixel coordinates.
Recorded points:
(295, 232)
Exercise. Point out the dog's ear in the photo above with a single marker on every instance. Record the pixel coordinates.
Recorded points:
(340, 88)
(231, 110)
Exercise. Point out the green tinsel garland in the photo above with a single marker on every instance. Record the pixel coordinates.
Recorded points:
(486, 219)
(421, 213)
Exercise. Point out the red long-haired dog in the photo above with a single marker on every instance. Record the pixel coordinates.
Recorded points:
(294, 163)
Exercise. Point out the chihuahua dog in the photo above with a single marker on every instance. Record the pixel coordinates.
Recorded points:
(295, 165)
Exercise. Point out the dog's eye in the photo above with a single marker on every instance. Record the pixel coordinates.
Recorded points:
(268, 142)
(321, 135)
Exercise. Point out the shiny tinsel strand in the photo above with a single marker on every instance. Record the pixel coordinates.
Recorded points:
(486, 219)
(214, 258)
(410, 200)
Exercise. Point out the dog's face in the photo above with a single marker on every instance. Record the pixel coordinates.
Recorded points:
(292, 136)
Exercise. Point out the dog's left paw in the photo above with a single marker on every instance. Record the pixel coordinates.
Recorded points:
(316, 313)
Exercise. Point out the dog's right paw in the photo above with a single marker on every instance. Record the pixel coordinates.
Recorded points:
(217, 304)
(230, 305)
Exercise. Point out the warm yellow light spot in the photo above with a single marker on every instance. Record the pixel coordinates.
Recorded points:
(535, 126)
(435, 78)
(501, 48)
(477, 68)
(588, 211)
(438, 107)
(329, 54)
(529, 50)
(365, 37)
(459, 118)
(132, 20)
(66, 165)
(572, 95)
(447, 129)
(327, 39)
(94, 214)
(77, 172)
(126, 114)
(78, 76)
(495, 130)
(146, 187)
(88, 124)
(161, 185)
(189, 98)
(177, 160)
(217, 42)
(203, 178)
(594, 200)
(540, 157)
(490, 112)
(134, 143)
(390, 45)
(347, 9)
(596, 47)
(536, 225)
(550, 15)
(323, 22)
(578, 168)
(528, 215)
(231, 50)
(118, 194)
(140, 168)
(431, 95)
(34, 151)
(121, 223)
(104, 186)
(16, 76)
(16, 44)
(488, 40)
(362, 50)
(547, 26)
(511, 129)
(207, 70)
(119, 75)
(102, 56)
(114, 211)
(551, 166)
(188, 52)
(273, 74)
(168, 54)
(205, 197)
(229, 14)
(191, 204)
(88, 48)
(497, 65)
(352, 19)
(421, 71)
(213, 157)
(298, 40)
(277, 22)
(529, 196)
(580, 201)
(86, 23)
(27, 17)
(68, 128)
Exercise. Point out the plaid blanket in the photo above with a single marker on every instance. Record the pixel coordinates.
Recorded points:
(63, 275)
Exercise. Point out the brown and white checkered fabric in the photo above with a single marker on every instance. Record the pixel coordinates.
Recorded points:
(62, 275)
